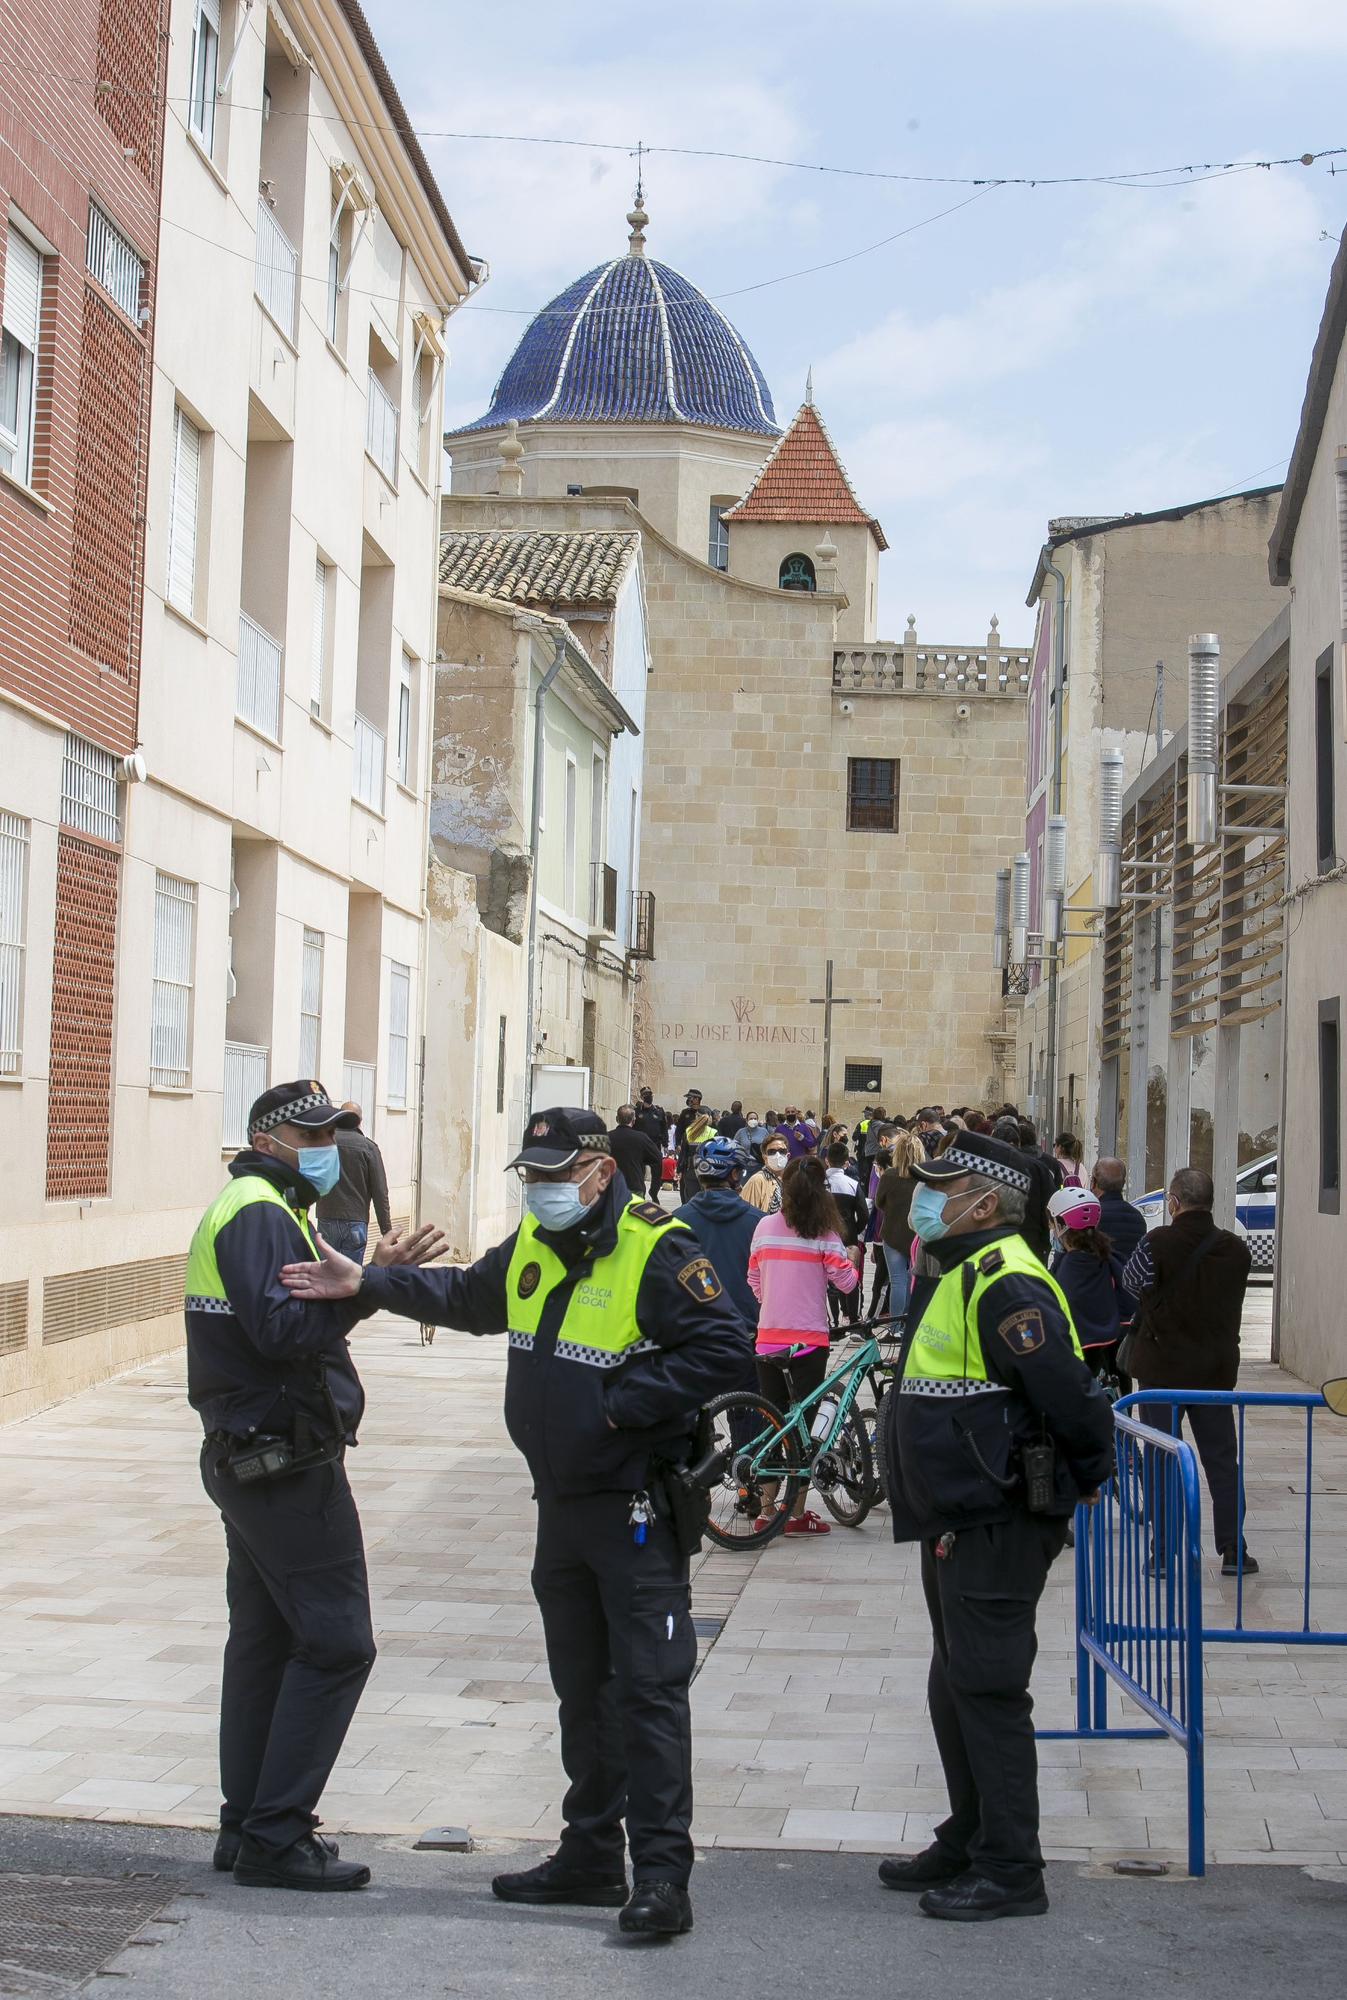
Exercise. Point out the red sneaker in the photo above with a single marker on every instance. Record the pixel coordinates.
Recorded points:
(807, 1523)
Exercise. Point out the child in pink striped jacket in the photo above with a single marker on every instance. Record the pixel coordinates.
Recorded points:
(796, 1255)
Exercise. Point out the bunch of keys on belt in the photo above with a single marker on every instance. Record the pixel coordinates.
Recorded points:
(944, 1548)
(641, 1515)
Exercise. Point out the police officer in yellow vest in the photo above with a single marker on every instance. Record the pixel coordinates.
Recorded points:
(277, 1392)
(994, 1431)
(618, 1332)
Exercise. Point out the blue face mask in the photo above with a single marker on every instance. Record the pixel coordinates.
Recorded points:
(927, 1214)
(928, 1217)
(556, 1205)
(320, 1165)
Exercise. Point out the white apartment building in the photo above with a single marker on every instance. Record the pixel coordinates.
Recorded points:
(273, 856)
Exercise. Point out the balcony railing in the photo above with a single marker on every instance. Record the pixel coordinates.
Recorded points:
(258, 697)
(371, 759)
(276, 279)
(381, 429)
(911, 666)
(642, 923)
(245, 1078)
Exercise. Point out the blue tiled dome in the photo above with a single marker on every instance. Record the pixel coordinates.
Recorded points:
(632, 342)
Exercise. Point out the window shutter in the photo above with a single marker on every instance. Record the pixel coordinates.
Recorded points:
(174, 915)
(210, 9)
(319, 661)
(399, 1019)
(310, 1001)
(183, 503)
(13, 872)
(23, 290)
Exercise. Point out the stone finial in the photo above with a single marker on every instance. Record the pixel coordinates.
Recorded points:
(912, 623)
(809, 388)
(638, 219)
(510, 478)
(825, 563)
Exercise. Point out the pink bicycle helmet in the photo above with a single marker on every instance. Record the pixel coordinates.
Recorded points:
(1075, 1208)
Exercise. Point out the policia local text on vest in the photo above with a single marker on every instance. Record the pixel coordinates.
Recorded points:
(619, 1332)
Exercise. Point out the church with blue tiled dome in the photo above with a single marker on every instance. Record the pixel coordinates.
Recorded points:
(632, 342)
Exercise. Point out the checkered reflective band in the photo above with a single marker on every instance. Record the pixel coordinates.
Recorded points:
(285, 1112)
(961, 1386)
(992, 1170)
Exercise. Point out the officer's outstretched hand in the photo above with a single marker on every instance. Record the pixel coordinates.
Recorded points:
(337, 1277)
(411, 1246)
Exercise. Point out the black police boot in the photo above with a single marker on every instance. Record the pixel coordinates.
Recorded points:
(553, 1882)
(657, 1909)
(922, 1871)
(311, 1863)
(1231, 1564)
(972, 1899)
(229, 1840)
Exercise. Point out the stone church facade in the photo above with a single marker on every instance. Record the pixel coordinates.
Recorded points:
(810, 792)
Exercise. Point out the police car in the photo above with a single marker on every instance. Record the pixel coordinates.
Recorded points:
(1255, 1209)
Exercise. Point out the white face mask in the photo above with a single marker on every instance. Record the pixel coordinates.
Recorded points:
(775, 1163)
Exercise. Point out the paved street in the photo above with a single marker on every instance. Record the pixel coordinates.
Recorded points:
(430, 1927)
(808, 1709)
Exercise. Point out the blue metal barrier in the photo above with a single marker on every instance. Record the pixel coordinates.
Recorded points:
(1171, 1401)
(1139, 1609)
(1139, 1603)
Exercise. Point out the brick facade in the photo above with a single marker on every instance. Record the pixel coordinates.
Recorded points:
(81, 119)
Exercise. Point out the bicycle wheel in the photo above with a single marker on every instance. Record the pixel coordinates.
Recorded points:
(743, 1427)
(845, 1473)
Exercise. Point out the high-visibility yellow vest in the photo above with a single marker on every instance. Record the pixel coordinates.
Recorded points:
(599, 1326)
(205, 1287)
(946, 1348)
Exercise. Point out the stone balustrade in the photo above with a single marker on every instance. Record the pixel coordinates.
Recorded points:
(911, 666)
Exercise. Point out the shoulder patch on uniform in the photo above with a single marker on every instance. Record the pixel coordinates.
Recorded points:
(991, 1261)
(649, 1211)
(699, 1278)
(1023, 1332)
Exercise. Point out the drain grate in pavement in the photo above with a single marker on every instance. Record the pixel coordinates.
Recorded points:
(56, 1931)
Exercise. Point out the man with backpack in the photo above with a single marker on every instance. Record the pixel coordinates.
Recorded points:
(1189, 1280)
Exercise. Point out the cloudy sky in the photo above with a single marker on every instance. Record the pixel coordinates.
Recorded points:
(1041, 351)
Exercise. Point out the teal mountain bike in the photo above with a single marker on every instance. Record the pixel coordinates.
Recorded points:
(756, 1458)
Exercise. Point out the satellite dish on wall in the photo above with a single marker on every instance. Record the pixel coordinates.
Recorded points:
(134, 768)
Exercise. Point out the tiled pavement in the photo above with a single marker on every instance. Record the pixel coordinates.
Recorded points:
(809, 1710)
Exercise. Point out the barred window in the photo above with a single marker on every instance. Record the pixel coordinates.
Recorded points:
(872, 794)
(862, 1078)
(114, 263)
(89, 799)
(171, 993)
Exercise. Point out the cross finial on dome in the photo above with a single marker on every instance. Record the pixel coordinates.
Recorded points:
(636, 215)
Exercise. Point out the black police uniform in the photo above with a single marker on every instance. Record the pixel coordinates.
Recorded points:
(261, 1364)
(982, 1582)
(616, 1614)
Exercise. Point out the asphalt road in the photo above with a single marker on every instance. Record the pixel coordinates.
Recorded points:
(804, 1922)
